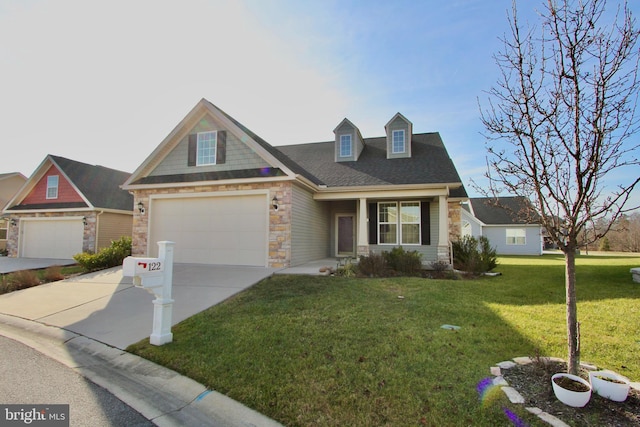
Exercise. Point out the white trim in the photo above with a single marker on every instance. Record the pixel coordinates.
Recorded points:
(350, 143)
(52, 187)
(209, 194)
(24, 220)
(215, 148)
(404, 141)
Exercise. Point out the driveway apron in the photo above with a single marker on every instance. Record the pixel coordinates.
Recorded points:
(105, 306)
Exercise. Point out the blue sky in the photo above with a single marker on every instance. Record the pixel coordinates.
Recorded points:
(104, 82)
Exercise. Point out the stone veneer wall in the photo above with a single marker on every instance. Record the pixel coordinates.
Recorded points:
(279, 221)
(88, 240)
(455, 221)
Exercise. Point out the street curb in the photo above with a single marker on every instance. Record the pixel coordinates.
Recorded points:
(161, 395)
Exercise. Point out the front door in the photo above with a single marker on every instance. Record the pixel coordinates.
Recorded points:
(346, 234)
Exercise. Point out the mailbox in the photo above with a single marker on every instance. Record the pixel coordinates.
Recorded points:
(146, 272)
(156, 276)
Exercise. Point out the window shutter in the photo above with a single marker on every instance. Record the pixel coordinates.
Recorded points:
(373, 223)
(221, 147)
(426, 223)
(193, 150)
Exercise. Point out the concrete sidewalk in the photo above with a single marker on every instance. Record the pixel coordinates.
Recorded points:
(86, 322)
(106, 307)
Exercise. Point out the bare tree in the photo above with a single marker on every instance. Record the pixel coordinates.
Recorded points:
(559, 123)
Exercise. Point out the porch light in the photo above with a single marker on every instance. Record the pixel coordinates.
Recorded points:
(84, 221)
(141, 207)
(14, 222)
(274, 203)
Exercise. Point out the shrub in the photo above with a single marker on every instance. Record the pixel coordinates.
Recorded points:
(20, 280)
(373, 265)
(111, 256)
(474, 255)
(408, 263)
(347, 270)
(53, 273)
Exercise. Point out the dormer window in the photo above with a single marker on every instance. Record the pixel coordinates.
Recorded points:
(207, 142)
(346, 146)
(398, 144)
(52, 187)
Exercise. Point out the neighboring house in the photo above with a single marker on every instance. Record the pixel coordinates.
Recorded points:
(226, 196)
(67, 207)
(10, 183)
(502, 222)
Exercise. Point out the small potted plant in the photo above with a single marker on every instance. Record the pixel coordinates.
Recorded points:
(571, 389)
(610, 385)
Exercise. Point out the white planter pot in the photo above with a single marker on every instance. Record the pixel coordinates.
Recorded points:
(577, 399)
(608, 389)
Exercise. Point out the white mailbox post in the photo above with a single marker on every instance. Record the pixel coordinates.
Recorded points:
(156, 276)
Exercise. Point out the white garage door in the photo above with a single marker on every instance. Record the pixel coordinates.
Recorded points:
(229, 230)
(59, 238)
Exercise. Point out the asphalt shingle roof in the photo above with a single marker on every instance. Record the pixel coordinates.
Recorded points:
(100, 185)
(429, 164)
(502, 210)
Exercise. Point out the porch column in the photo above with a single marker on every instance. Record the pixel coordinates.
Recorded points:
(363, 229)
(443, 229)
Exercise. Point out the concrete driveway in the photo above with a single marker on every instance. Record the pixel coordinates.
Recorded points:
(9, 265)
(105, 306)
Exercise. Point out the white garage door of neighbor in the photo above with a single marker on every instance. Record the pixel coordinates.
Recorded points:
(227, 230)
(52, 238)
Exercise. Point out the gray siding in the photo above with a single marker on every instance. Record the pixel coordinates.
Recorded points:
(310, 228)
(346, 129)
(497, 235)
(398, 124)
(238, 155)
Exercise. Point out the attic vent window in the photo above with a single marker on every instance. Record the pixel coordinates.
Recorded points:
(345, 146)
(398, 142)
(52, 187)
(207, 142)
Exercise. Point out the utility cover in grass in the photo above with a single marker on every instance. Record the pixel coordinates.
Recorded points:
(450, 327)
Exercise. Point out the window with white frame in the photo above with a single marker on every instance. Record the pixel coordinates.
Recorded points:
(4, 225)
(399, 223)
(516, 236)
(388, 223)
(410, 223)
(397, 141)
(52, 187)
(345, 146)
(206, 154)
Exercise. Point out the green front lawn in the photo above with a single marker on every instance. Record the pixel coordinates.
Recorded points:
(345, 351)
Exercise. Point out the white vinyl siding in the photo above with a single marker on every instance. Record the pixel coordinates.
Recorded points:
(516, 236)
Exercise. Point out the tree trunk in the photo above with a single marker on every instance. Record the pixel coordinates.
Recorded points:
(573, 327)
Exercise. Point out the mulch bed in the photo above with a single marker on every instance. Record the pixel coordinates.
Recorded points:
(533, 382)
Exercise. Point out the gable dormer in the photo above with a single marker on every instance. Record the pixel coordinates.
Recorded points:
(348, 143)
(399, 131)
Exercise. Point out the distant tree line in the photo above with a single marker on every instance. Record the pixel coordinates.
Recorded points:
(624, 235)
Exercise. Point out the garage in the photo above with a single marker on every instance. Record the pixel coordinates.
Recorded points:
(226, 230)
(51, 238)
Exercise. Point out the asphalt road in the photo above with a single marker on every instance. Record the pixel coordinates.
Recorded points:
(28, 377)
